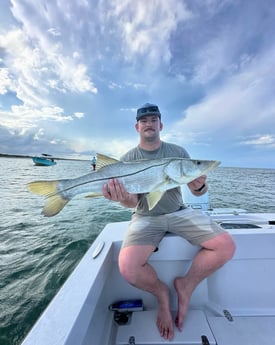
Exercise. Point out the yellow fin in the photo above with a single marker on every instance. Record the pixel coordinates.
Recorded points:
(93, 195)
(54, 204)
(102, 161)
(43, 187)
(153, 198)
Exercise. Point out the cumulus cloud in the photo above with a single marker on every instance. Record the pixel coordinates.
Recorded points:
(29, 117)
(242, 103)
(37, 68)
(35, 71)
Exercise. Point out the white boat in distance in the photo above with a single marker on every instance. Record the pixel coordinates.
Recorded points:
(233, 306)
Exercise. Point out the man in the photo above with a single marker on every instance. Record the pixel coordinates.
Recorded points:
(93, 162)
(148, 227)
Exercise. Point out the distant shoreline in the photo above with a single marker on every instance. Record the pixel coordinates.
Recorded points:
(4, 155)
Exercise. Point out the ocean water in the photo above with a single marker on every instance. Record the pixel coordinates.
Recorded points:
(37, 254)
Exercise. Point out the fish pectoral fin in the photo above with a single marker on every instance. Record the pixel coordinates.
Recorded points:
(153, 198)
(93, 195)
(102, 161)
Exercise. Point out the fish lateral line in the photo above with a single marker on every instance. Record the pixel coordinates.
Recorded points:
(100, 179)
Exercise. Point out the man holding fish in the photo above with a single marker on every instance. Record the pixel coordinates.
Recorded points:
(148, 178)
(150, 223)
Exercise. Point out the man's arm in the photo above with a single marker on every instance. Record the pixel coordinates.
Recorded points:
(115, 191)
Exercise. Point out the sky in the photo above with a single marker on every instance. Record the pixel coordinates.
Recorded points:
(73, 73)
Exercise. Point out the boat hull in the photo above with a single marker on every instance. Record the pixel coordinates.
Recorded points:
(40, 161)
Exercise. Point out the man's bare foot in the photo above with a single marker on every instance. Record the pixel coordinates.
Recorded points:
(183, 301)
(165, 324)
(164, 318)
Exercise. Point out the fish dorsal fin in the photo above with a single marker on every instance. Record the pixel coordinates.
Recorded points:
(153, 198)
(102, 161)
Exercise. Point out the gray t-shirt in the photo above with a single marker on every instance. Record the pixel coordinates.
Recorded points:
(172, 198)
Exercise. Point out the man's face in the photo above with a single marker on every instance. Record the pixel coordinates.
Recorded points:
(149, 126)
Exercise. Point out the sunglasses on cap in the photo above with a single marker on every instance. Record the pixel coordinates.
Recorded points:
(148, 110)
(151, 109)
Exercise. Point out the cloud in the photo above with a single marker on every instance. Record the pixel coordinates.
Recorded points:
(145, 31)
(242, 103)
(72, 74)
(34, 76)
(6, 82)
(24, 117)
(79, 115)
(260, 141)
(54, 31)
(36, 67)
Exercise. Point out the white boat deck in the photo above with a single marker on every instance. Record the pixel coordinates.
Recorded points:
(200, 330)
(195, 329)
(243, 289)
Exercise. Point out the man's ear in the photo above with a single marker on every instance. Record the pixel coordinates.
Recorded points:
(161, 126)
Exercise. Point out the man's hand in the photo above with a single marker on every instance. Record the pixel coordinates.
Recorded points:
(198, 186)
(115, 191)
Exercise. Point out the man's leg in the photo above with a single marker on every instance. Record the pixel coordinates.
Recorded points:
(135, 269)
(214, 254)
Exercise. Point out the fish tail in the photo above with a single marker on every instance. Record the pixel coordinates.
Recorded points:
(43, 187)
(53, 205)
(54, 200)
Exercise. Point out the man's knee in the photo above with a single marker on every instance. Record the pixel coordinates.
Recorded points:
(223, 245)
(227, 247)
(126, 268)
(132, 260)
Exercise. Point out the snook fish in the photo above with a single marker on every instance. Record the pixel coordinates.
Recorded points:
(152, 177)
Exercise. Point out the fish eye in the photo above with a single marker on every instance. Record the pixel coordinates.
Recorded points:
(198, 162)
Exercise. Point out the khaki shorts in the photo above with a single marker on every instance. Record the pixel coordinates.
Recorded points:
(193, 225)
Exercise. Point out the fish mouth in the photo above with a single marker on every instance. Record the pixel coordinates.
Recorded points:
(212, 167)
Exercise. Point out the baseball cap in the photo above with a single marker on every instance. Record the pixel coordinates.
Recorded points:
(148, 109)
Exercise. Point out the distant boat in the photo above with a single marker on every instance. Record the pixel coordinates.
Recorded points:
(44, 160)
